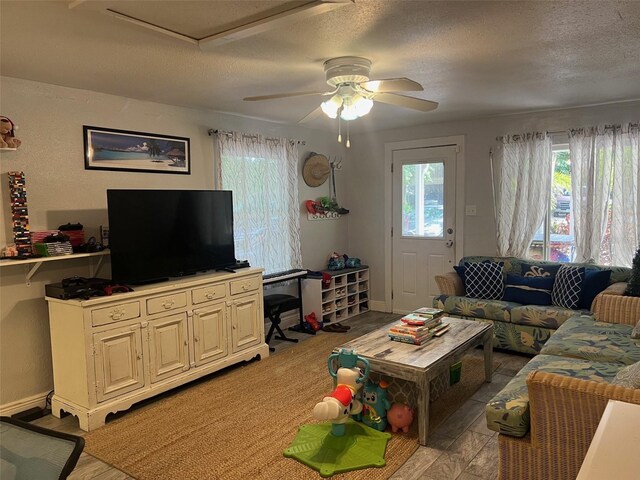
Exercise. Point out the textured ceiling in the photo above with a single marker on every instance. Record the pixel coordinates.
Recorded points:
(475, 58)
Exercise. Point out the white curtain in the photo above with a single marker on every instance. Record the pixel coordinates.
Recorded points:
(263, 175)
(604, 188)
(524, 189)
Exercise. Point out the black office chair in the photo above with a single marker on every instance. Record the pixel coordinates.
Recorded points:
(31, 452)
(274, 306)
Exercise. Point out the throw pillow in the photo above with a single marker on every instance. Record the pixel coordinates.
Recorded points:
(460, 271)
(595, 281)
(567, 288)
(528, 290)
(628, 377)
(635, 333)
(484, 280)
(531, 270)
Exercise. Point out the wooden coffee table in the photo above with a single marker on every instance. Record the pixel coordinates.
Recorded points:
(421, 364)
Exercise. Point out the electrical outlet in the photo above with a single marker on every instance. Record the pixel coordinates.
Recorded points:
(470, 210)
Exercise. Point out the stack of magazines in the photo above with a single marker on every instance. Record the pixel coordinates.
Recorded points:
(419, 327)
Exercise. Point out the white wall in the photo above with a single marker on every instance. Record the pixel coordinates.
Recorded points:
(366, 171)
(60, 190)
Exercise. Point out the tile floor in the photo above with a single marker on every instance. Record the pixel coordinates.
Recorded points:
(461, 448)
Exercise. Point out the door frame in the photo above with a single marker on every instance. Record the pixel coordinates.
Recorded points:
(459, 142)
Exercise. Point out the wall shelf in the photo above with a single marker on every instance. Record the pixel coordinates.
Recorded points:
(33, 264)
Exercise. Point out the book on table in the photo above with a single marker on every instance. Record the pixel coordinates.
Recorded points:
(415, 320)
(434, 312)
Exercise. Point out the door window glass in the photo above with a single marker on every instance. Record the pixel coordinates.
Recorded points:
(423, 200)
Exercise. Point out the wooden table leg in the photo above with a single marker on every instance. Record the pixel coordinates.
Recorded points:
(422, 409)
(488, 356)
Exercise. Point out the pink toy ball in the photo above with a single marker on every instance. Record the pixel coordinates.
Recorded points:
(400, 417)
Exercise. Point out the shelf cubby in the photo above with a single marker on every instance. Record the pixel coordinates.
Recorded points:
(346, 295)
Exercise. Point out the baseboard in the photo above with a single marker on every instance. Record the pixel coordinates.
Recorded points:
(379, 306)
(9, 409)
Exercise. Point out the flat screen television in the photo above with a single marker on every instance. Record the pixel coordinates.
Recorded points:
(157, 234)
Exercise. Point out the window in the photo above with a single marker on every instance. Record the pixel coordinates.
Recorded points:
(262, 174)
(423, 200)
(554, 239)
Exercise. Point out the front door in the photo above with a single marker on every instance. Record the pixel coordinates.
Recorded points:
(423, 223)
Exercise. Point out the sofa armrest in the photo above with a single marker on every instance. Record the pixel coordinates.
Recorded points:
(612, 306)
(450, 283)
(565, 411)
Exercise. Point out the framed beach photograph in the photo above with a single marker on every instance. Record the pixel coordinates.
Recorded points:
(109, 149)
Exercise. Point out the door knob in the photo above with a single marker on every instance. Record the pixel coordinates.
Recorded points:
(449, 243)
(449, 230)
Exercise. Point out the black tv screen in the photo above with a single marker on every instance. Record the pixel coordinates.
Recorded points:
(157, 234)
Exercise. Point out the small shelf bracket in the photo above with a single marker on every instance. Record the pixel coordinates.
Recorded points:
(30, 272)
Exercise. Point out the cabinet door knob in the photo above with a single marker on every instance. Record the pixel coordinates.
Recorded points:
(168, 304)
(196, 339)
(209, 295)
(139, 357)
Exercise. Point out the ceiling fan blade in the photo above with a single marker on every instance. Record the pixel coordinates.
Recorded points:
(407, 102)
(311, 116)
(392, 85)
(281, 95)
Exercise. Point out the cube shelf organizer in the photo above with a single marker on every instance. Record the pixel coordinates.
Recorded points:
(346, 296)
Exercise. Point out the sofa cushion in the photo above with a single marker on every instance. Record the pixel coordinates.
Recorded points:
(535, 270)
(595, 281)
(583, 337)
(528, 290)
(508, 411)
(484, 280)
(628, 376)
(541, 315)
(635, 333)
(474, 307)
(567, 288)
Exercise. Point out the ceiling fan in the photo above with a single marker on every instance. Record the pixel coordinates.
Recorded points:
(353, 92)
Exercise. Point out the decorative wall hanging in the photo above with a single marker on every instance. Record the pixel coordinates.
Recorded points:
(108, 149)
(8, 139)
(316, 170)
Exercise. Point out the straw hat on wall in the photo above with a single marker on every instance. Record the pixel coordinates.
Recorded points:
(316, 170)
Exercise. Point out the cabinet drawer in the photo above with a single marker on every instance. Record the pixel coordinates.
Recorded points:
(166, 303)
(115, 313)
(208, 293)
(245, 285)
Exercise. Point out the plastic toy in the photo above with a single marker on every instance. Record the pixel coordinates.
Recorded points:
(400, 417)
(341, 402)
(376, 404)
(342, 445)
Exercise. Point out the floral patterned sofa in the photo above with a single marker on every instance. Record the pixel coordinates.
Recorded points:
(548, 413)
(517, 327)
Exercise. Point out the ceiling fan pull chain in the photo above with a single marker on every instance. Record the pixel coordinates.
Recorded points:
(348, 141)
(339, 132)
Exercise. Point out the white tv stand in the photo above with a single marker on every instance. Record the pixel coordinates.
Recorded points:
(111, 352)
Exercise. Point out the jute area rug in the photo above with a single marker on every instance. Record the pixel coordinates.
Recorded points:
(237, 424)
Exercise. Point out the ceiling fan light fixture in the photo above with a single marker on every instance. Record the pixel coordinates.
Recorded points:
(332, 106)
(363, 106)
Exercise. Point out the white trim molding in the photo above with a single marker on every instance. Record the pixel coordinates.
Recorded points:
(389, 148)
(23, 404)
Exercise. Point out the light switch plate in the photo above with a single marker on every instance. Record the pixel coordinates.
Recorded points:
(470, 210)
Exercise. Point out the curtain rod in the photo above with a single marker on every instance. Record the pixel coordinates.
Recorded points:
(573, 130)
(212, 132)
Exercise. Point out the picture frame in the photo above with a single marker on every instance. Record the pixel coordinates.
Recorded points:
(129, 151)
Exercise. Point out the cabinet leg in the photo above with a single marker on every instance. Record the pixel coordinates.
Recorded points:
(56, 409)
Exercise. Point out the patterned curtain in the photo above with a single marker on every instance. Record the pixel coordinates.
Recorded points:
(263, 175)
(604, 185)
(524, 189)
